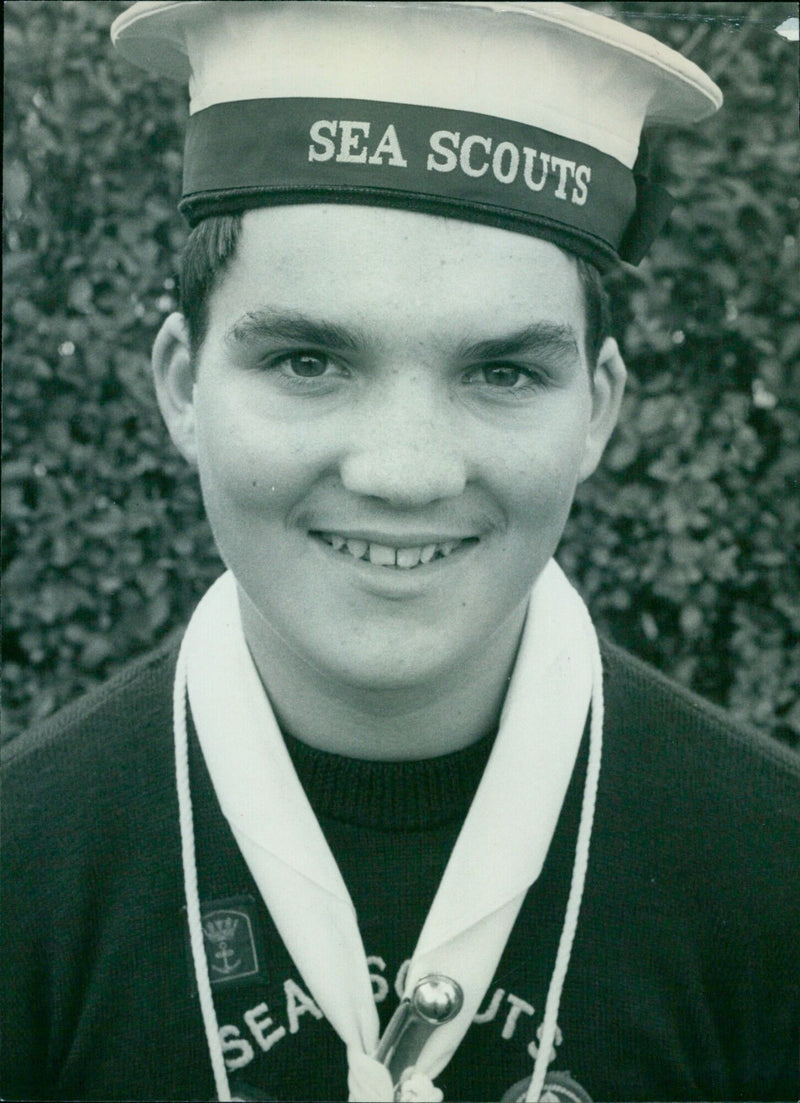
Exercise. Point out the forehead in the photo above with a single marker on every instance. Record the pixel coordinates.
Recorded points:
(397, 270)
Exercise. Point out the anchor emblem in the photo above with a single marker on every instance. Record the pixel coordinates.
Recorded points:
(221, 933)
(231, 940)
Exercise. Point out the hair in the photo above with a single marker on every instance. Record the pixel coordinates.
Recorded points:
(597, 304)
(209, 249)
(212, 244)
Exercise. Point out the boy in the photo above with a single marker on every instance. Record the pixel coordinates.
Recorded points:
(341, 842)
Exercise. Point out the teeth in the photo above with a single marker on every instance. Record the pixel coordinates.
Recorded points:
(358, 548)
(408, 557)
(381, 555)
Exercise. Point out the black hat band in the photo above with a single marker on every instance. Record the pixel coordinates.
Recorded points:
(254, 153)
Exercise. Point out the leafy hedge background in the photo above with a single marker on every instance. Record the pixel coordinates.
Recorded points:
(685, 544)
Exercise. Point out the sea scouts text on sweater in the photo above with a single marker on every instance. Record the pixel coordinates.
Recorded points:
(262, 1026)
(357, 142)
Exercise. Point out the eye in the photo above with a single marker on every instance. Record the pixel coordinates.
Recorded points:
(505, 377)
(304, 365)
(502, 375)
(303, 371)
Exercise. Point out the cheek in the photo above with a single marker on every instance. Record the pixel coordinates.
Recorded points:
(541, 473)
(246, 464)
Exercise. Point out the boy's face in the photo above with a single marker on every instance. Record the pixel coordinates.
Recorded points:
(378, 387)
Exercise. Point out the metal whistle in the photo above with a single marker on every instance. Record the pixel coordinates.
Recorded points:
(436, 1000)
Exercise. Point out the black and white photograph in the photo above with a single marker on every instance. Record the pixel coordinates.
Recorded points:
(401, 551)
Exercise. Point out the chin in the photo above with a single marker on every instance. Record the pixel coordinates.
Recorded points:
(392, 673)
(393, 664)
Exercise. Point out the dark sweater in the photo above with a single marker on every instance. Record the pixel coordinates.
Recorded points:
(685, 975)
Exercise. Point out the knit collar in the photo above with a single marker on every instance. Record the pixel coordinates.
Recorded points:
(397, 796)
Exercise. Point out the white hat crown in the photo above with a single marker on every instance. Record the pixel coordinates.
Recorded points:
(553, 67)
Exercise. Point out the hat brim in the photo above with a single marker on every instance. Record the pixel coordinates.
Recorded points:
(151, 34)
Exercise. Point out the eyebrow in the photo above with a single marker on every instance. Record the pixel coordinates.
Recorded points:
(295, 328)
(550, 338)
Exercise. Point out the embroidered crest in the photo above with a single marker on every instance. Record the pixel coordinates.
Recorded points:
(231, 940)
(230, 944)
(558, 1087)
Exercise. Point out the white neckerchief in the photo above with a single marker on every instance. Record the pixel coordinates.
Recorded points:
(499, 853)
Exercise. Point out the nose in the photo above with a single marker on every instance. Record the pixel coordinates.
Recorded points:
(405, 448)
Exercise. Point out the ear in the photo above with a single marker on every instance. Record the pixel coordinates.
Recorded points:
(608, 386)
(174, 381)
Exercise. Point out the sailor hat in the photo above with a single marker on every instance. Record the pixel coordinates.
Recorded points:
(527, 116)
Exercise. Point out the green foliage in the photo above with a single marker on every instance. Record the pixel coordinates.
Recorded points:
(685, 543)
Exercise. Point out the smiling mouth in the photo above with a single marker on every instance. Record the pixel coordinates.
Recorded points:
(383, 555)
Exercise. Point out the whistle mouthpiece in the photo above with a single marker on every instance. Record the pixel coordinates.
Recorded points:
(436, 1000)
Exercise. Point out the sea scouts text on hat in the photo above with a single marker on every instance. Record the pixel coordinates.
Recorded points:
(526, 116)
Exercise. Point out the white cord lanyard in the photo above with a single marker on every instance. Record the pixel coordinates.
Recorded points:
(189, 862)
